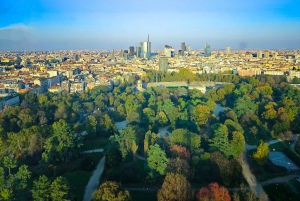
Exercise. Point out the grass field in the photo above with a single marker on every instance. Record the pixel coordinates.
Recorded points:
(77, 182)
(280, 192)
(279, 146)
(98, 143)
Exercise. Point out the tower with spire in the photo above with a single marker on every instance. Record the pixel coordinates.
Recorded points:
(146, 48)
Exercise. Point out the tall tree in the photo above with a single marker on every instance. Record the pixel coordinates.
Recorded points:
(59, 189)
(238, 143)
(175, 187)
(40, 190)
(185, 138)
(63, 145)
(156, 161)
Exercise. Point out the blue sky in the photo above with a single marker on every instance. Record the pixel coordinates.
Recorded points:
(98, 24)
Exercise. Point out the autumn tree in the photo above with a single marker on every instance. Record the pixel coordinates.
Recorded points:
(261, 154)
(111, 191)
(185, 138)
(213, 192)
(202, 114)
(180, 151)
(175, 187)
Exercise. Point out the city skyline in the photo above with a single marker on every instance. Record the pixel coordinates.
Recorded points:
(78, 25)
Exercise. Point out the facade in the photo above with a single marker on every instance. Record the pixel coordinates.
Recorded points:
(183, 48)
(267, 54)
(9, 100)
(65, 86)
(259, 54)
(138, 51)
(131, 50)
(207, 51)
(77, 87)
(169, 51)
(113, 54)
(163, 64)
(228, 49)
(189, 49)
(43, 83)
(146, 49)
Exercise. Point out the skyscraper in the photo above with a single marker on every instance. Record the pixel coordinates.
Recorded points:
(121, 54)
(228, 49)
(146, 49)
(259, 54)
(163, 64)
(267, 54)
(207, 51)
(189, 49)
(183, 48)
(138, 51)
(131, 50)
(169, 51)
(113, 54)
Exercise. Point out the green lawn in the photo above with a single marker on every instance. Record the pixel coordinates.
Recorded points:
(280, 192)
(279, 146)
(77, 182)
(98, 143)
(143, 195)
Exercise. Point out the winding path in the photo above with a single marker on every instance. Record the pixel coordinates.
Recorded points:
(94, 181)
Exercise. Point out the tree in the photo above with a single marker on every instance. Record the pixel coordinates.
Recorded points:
(63, 145)
(202, 114)
(9, 163)
(40, 190)
(150, 139)
(180, 151)
(111, 191)
(244, 105)
(112, 157)
(125, 139)
(59, 189)
(133, 117)
(185, 138)
(175, 187)
(162, 118)
(220, 140)
(178, 166)
(213, 192)
(156, 161)
(254, 131)
(238, 143)
(261, 154)
(91, 124)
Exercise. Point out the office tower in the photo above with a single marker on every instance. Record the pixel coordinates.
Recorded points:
(169, 51)
(113, 54)
(259, 54)
(267, 54)
(207, 51)
(228, 49)
(131, 50)
(163, 64)
(121, 54)
(183, 48)
(189, 49)
(146, 49)
(138, 51)
(125, 56)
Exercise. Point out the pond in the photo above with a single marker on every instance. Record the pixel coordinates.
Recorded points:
(218, 109)
(163, 130)
(120, 125)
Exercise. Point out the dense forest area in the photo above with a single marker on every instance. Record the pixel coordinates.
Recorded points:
(41, 138)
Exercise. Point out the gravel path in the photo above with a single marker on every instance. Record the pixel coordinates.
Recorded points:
(92, 151)
(94, 181)
(284, 179)
(250, 178)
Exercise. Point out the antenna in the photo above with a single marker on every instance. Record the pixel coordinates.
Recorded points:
(148, 37)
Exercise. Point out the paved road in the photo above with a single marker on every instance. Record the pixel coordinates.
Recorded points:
(140, 157)
(249, 147)
(250, 178)
(92, 151)
(284, 179)
(94, 181)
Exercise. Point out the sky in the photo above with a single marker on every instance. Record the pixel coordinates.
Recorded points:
(116, 24)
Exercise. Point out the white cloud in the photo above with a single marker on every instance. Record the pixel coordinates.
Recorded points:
(20, 27)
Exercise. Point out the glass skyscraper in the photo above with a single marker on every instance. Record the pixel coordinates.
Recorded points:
(207, 51)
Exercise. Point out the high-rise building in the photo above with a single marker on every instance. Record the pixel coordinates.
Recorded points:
(183, 48)
(189, 49)
(121, 54)
(138, 51)
(207, 51)
(169, 51)
(228, 49)
(113, 54)
(131, 50)
(146, 49)
(259, 54)
(163, 64)
(267, 54)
